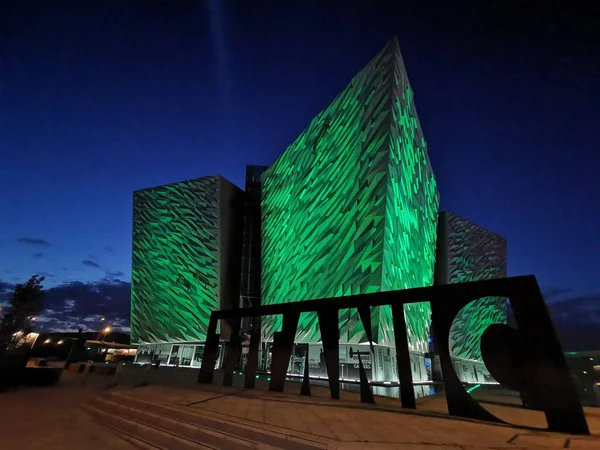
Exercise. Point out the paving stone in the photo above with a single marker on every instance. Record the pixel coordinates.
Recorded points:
(59, 422)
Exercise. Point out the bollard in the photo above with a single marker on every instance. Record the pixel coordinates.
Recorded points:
(144, 375)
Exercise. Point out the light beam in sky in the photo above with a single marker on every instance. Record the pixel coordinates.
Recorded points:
(222, 60)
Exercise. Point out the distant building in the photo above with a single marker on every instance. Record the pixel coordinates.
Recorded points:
(585, 370)
(468, 252)
(186, 264)
(84, 346)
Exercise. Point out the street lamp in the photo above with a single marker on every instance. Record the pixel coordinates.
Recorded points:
(105, 332)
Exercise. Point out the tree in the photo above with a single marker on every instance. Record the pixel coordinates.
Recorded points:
(27, 301)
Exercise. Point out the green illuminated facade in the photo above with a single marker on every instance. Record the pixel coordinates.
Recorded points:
(468, 252)
(186, 257)
(351, 207)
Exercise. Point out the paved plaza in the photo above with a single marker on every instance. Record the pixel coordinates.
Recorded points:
(52, 419)
(350, 424)
(55, 418)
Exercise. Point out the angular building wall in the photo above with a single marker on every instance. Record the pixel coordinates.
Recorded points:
(351, 207)
(468, 252)
(186, 258)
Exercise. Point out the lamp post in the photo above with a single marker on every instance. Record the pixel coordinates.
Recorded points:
(105, 332)
(102, 321)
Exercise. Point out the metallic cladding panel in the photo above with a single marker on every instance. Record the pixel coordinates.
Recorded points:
(468, 252)
(178, 263)
(351, 207)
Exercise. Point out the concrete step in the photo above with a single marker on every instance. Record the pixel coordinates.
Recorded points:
(267, 435)
(161, 432)
(138, 434)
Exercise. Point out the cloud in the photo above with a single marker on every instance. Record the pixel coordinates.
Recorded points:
(6, 287)
(69, 305)
(117, 274)
(38, 255)
(6, 291)
(556, 294)
(34, 241)
(90, 263)
(47, 275)
(576, 318)
(577, 309)
(75, 305)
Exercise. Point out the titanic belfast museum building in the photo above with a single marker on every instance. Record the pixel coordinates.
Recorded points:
(350, 207)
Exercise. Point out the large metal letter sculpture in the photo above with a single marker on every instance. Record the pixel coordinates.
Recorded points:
(407, 392)
(547, 375)
(366, 395)
(330, 335)
(211, 352)
(282, 348)
(538, 367)
(234, 349)
(460, 403)
(543, 372)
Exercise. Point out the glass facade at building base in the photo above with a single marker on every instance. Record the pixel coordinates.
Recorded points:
(184, 354)
(380, 365)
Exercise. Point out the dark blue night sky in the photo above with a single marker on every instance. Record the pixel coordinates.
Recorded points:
(99, 98)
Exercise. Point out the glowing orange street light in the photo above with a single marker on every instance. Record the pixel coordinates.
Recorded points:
(105, 332)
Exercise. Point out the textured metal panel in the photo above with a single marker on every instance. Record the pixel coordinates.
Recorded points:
(175, 267)
(468, 252)
(351, 207)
